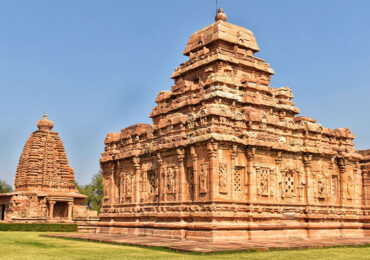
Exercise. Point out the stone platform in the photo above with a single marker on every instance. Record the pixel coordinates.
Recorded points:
(209, 247)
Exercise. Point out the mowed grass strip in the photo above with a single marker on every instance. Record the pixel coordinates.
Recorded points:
(30, 245)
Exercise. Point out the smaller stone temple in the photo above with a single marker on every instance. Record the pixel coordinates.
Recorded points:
(44, 183)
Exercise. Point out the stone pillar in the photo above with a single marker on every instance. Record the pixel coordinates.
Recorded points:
(181, 171)
(51, 209)
(70, 209)
(212, 178)
(194, 159)
(136, 190)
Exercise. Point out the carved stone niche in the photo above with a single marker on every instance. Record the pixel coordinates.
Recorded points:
(107, 188)
(203, 179)
(334, 187)
(153, 183)
(190, 181)
(263, 175)
(321, 186)
(128, 184)
(223, 178)
(171, 180)
(349, 186)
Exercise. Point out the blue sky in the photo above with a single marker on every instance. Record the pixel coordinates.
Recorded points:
(96, 66)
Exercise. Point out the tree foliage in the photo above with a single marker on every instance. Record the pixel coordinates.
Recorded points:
(94, 192)
(5, 187)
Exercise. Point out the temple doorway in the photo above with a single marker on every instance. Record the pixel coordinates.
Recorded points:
(60, 209)
(2, 212)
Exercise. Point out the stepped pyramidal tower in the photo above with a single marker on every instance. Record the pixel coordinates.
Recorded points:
(227, 156)
(44, 183)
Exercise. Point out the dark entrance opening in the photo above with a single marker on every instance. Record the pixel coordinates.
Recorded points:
(2, 212)
(61, 209)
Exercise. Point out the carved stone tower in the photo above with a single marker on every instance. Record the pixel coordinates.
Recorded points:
(43, 164)
(227, 157)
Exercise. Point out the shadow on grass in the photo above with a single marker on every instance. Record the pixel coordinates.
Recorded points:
(34, 244)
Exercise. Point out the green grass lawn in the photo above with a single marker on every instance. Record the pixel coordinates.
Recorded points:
(30, 245)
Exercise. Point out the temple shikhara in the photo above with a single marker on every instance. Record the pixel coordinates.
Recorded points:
(44, 183)
(228, 157)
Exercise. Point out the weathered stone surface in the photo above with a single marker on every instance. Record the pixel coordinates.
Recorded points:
(227, 157)
(44, 183)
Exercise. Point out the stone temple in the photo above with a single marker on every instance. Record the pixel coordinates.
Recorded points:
(228, 158)
(44, 183)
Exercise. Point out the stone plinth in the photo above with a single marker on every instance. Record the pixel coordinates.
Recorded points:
(228, 158)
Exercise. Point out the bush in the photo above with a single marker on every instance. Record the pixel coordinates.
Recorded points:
(5, 187)
(94, 192)
(39, 227)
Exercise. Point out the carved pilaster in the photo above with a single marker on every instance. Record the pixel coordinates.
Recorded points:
(109, 180)
(175, 190)
(181, 174)
(250, 153)
(161, 187)
(342, 164)
(358, 183)
(233, 155)
(279, 177)
(213, 178)
(194, 159)
(307, 161)
(137, 166)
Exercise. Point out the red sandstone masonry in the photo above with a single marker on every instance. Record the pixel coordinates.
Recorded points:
(227, 157)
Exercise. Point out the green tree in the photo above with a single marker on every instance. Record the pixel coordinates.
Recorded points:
(5, 187)
(94, 192)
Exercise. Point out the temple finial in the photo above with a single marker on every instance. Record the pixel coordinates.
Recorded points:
(220, 16)
(45, 124)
